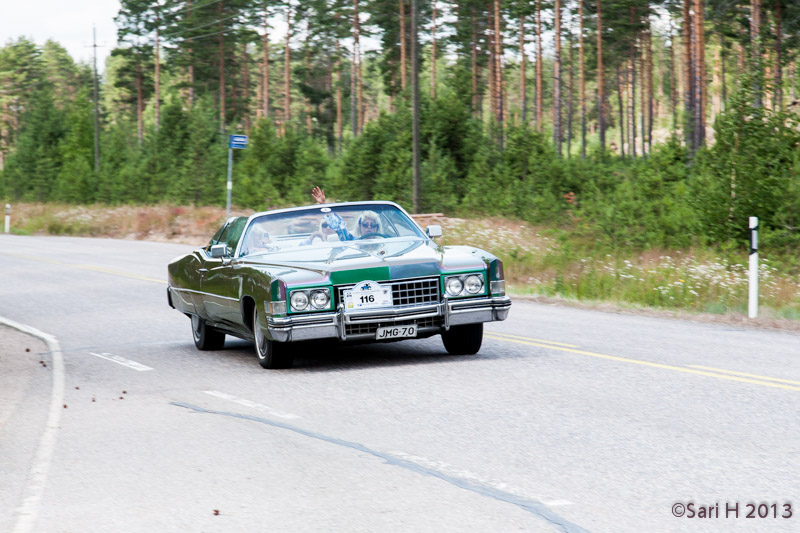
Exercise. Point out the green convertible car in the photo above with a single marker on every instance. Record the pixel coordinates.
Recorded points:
(349, 272)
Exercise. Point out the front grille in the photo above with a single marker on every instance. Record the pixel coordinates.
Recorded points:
(405, 292)
(370, 329)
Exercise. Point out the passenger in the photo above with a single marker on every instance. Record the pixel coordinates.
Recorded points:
(258, 240)
(323, 234)
(318, 195)
(368, 222)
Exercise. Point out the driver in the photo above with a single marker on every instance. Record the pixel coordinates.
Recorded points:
(368, 223)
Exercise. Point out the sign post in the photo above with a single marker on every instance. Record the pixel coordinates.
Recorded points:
(237, 142)
(752, 300)
(8, 218)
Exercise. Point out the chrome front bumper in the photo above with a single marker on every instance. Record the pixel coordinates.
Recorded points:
(335, 324)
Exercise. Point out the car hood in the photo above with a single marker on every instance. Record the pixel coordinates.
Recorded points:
(377, 260)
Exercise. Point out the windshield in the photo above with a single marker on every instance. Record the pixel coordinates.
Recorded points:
(324, 226)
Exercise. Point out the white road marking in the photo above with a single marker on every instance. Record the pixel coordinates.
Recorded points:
(122, 361)
(251, 404)
(451, 470)
(27, 512)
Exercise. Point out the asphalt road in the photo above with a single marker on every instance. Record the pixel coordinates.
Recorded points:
(567, 419)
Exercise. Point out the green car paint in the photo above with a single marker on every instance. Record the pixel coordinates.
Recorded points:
(224, 291)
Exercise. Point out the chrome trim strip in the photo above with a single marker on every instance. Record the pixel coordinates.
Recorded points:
(207, 293)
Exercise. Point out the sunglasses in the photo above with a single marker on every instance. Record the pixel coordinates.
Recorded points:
(371, 225)
(324, 225)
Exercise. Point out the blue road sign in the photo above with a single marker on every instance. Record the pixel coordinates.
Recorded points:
(237, 141)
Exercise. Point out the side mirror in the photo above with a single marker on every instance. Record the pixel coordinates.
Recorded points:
(219, 250)
(434, 231)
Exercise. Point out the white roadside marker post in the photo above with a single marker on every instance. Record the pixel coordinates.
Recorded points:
(752, 301)
(8, 218)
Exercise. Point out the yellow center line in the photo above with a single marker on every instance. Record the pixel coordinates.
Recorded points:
(87, 267)
(648, 363)
(531, 339)
(745, 374)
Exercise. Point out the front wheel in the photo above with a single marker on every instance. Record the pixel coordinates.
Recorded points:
(463, 340)
(271, 354)
(206, 337)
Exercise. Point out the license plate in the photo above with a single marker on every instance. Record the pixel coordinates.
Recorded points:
(396, 332)
(367, 295)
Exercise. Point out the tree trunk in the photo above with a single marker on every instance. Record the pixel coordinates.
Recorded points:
(157, 101)
(246, 88)
(415, 148)
(539, 108)
(643, 90)
(673, 81)
(557, 79)
(191, 62)
(582, 75)
(688, 62)
(139, 103)
(5, 133)
(287, 57)
(650, 91)
(403, 60)
(755, 45)
(265, 73)
(498, 54)
(492, 77)
(570, 87)
(723, 55)
(700, 75)
(339, 118)
(632, 96)
(523, 91)
(433, 55)
(716, 96)
(354, 73)
(222, 110)
(362, 115)
(475, 96)
(307, 60)
(620, 90)
(778, 56)
(600, 77)
(742, 62)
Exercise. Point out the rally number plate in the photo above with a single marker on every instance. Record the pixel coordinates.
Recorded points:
(396, 332)
(367, 295)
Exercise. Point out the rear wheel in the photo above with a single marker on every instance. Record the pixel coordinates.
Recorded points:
(206, 337)
(463, 340)
(271, 354)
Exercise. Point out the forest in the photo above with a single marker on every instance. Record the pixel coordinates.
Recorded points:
(634, 123)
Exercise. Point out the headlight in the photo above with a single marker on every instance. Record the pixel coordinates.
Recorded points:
(464, 285)
(299, 300)
(320, 299)
(473, 284)
(454, 286)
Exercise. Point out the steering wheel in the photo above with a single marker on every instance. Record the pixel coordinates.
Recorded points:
(376, 236)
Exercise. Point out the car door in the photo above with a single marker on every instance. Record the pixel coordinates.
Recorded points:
(220, 284)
